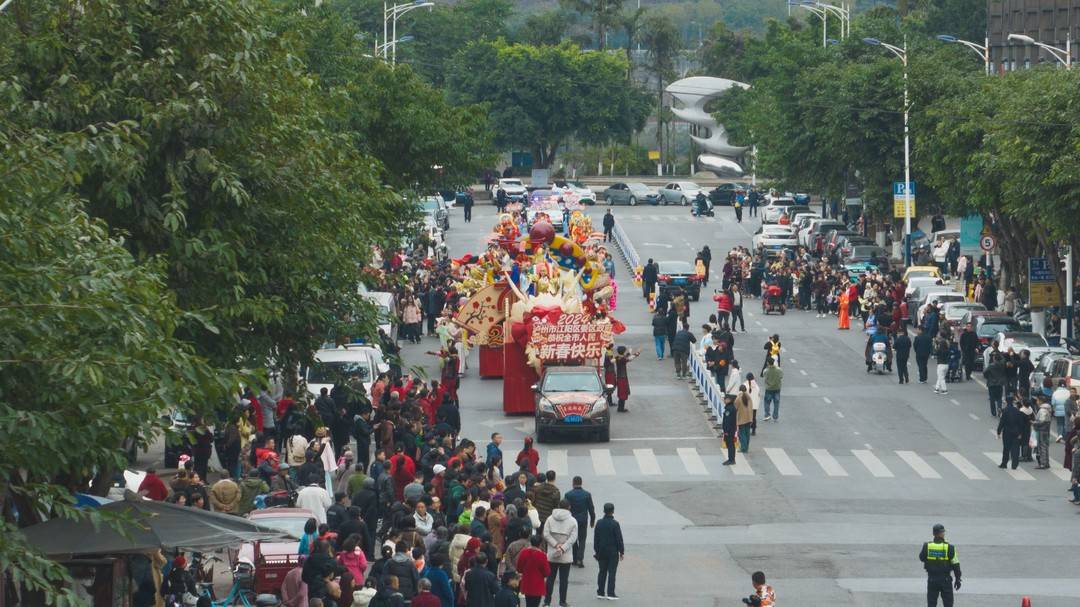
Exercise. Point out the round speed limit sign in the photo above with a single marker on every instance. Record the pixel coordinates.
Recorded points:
(987, 243)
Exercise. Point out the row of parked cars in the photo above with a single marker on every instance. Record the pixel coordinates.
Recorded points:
(674, 193)
(788, 223)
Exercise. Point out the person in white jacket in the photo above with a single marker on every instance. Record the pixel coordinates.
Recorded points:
(755, 397)
(560, 533)
(734, 378)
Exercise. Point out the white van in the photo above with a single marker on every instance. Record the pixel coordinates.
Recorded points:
(341, 363)
(387, 306)
(939, 246)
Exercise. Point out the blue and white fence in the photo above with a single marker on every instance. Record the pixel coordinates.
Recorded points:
(706, 384)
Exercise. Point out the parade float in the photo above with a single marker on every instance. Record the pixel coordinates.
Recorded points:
(536, 299)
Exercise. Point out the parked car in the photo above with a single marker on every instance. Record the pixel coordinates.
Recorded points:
(771, 212)
(952, 312)
(514, 188)
(386, 304)
(832, 239)
(813, 236)
(847, 244)
(773, 237)
(679, 192)
(273, 560)
(630, 193)
(869, 253)
(922, 271)
(674, 274)
(940, 295)
(725, 193)
(576, 190)
(435, 208)
(335, 364)
(987, 324)
(1065, 368)
(572, 400)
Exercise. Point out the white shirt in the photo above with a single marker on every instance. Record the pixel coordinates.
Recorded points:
(755, 392)
(315, 499)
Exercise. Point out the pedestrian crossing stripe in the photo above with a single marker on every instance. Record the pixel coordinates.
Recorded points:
(688, 461)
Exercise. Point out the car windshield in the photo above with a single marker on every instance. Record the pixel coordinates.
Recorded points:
(861, 251)
(294, 526)
(571, 382)
(689, 185)
(675, 267)
(430, 204)
(331, 372)
(577, 184)
(991, 329)
(957, 312)
(511, 182)
(1076, 371)
(637, 186)
(1033, 340)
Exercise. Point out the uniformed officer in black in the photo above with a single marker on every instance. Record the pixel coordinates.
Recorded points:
(939, 559)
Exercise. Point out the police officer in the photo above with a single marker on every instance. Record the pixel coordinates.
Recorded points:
(939, 559)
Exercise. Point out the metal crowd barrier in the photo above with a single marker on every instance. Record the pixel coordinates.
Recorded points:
(710, 392)
(628, 252)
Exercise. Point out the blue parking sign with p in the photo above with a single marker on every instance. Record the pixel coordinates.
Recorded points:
(898, 188)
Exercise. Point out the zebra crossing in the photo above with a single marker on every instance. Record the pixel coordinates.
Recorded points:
(689, 462)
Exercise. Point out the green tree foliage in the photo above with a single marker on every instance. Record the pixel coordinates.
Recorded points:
(603, 15)
(89, 355)
(443, 31)
(540, 97)
(261, 214)
(546, 28)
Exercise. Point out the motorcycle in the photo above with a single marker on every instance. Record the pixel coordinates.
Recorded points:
(702, 207)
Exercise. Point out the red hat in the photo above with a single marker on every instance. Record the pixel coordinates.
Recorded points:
(179, 562)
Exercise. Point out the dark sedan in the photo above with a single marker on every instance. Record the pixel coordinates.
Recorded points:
(679, 274)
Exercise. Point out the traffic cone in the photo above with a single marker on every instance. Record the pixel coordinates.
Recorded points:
(1025, 602)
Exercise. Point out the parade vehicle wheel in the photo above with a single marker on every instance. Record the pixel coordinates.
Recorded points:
(633, 201)
(683, 201)
(541, 434)
(605, 434)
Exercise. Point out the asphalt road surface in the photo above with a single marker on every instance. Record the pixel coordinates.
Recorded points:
(832, 503)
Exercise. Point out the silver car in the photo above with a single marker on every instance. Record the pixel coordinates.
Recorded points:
(628, 193)
(679, 192)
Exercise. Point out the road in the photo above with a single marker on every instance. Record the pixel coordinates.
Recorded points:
(832, 503)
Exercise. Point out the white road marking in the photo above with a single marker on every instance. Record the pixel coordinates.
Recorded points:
(691, 460)
(918, 464)
(979, 381)
(872, 463)
(828, 401)
(1059, 471)
(602, 463)
(813, 385)
(802, 371)
(827, 462)
(742, 466)
(793, 361)
(648, 438)
(962, 464)
(647, 462)
(757, 322)
(973, 416)
(782, 462)
(954, 401)
(657, 244)
(1019, 474)
(840, 415)
(557, 461)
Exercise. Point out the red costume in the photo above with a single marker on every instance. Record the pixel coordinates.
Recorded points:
(532, 565)
(403, 471)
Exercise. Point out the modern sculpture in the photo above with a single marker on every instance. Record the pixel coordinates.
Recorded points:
(690, 96)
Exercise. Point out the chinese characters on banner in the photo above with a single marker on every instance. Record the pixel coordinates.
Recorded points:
(573, 336)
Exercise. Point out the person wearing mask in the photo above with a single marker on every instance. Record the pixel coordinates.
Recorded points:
(560, 532)
(581, 507)
(608, 549)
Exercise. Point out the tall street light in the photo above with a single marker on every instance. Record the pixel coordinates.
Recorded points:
(901, 53)
(5, 4)
(1064, 55)
(390, 19)
(983, 50)
(820, 12)
(843, 13)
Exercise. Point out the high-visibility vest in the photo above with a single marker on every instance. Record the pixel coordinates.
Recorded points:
(938, 559)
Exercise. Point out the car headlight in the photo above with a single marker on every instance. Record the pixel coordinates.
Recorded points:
(598, 406)
(546, 406)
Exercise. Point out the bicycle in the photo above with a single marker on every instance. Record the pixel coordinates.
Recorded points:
(242, 591)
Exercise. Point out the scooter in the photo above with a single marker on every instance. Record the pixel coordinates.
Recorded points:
(878, 359)
(702, 208)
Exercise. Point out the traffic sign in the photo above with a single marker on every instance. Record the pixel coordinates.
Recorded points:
(987, 243)
(899, 206)
(1043, 290)
(898, 189)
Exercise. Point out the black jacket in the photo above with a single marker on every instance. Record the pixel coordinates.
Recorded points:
(1012, 422)
(607, 537)
(649, 272)
(581, 505)
(405, 569)
(480, 587)
(969, 343)
(995, 374)
(609, 220)
(659, 325)
(682, 341)
(730, 419)
(507, 597)
(923, 345)
(902, 346)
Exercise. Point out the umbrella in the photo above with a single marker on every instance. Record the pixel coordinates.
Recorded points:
(153, 525)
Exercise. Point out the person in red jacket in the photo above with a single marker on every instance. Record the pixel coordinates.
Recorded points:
(153, 486)
(402, 470)
(529, 456)
(723, 307)
(532, 565)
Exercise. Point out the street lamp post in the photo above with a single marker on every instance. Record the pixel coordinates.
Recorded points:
(1063, 55)
(983, 50)
(5, 4)
(841, 12)
(390, 19)
(820, 12)
(901, 53)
